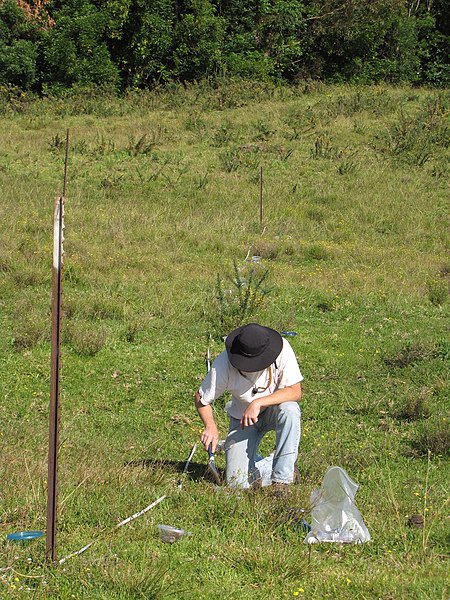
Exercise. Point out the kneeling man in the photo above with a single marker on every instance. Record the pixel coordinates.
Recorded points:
(260, 370)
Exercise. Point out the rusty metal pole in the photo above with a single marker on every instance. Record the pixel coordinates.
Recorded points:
(53, 438)
(261, 197)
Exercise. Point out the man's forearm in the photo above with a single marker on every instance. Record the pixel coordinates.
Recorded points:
(211, 433)
(291, 393)
(205, 413)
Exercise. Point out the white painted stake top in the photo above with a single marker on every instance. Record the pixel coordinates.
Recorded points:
(58, 236)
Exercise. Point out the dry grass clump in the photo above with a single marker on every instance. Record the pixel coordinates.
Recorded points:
(28, 275)
(86, 338)
(26, 334)
(410, 354)
(317, 251)
(6, 261)
(30, 323)
(439, 287)
(432, 436)
(416, 407)
(134, 325)
(98, 305)
(267, 249)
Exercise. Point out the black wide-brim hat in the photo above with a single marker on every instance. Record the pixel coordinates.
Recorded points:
(253, 347)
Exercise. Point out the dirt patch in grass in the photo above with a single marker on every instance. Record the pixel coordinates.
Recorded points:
(410, 354)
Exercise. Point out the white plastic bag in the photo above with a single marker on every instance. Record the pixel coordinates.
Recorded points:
(334, 517)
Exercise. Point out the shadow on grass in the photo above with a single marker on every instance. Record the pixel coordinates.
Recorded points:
(195, 471)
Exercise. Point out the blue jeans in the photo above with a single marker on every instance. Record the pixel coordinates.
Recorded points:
(244, 466)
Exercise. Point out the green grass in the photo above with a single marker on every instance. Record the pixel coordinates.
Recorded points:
(163, 196)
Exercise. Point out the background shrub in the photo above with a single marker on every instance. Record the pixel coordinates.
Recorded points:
(18, 46)
(74, 50)
(132, 43)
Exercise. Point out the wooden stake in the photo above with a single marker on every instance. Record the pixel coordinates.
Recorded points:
(55, 365)
(261, 197)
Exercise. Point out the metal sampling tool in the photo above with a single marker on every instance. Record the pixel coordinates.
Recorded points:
(212, 469)
(180, 481)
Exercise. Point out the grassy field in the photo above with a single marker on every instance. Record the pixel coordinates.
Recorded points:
(162, 219)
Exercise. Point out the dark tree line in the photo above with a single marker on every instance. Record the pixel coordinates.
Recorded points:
(47, 45)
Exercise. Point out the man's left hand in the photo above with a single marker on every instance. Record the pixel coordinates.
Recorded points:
(250, 417)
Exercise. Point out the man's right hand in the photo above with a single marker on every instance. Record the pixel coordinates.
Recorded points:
(210, 436)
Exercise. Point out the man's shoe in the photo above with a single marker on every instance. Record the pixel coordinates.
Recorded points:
(280, 490)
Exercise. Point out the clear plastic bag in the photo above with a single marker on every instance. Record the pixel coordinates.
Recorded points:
(334, 517)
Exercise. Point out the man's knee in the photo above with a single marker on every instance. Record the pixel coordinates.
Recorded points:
(288, 411)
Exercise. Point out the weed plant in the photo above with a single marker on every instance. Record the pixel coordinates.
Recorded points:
(162, 219)
(242, 303)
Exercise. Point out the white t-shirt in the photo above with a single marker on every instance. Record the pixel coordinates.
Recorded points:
(223, 376)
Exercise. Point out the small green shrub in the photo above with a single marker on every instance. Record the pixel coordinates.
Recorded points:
(416, 138)
(195, 122)
(143, 144)
(443, 350)
(100, 306)
(346, 167)
(30, 321)
(13, 99)
(408, 143)
(440, 167)
(224, 134)
(243, 300)
(57, 143)
(202, 180)
(230, 160)
(374, 100)
(248, 157)
(111, 183)
(83, 99)
(263, 131)
(300, 121)
(324, 149)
